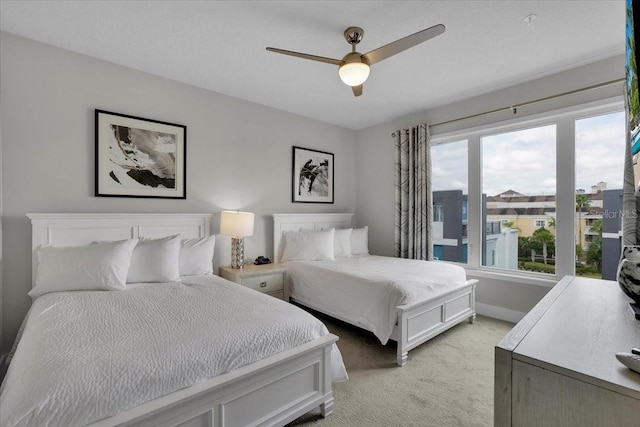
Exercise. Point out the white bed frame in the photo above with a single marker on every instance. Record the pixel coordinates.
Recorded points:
(418, 322)
(270, 392)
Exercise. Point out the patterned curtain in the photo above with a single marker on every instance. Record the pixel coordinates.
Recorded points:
(413, 202)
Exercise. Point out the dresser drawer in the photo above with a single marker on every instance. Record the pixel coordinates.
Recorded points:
(265, 283)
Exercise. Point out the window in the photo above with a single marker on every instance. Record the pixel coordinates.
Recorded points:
(599, 193)
(518, 176)
(438, 213)
(523, 180)
(449, 180)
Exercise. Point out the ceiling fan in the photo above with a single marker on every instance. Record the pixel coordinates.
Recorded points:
(354, 66)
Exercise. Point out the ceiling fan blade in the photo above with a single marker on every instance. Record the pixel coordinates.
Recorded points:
(404, 43)
(357, 90)
(306, 56)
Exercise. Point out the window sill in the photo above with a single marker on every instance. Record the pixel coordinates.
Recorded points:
(547, 281)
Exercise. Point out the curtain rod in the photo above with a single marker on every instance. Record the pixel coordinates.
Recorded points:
(535, 101)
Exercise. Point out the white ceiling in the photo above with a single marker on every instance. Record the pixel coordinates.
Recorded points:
(220, 45)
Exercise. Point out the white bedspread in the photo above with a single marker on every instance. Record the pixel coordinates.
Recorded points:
(366, 290)
(87, 355)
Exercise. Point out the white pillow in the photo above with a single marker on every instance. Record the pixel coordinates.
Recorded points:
(342, 243)
(308, 245)
(196, 256)
(360, 241)
(101, 266)
(155, 260)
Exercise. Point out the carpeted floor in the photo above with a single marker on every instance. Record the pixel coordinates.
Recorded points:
(447, 381)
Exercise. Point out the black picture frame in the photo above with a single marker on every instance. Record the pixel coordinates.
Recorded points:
(139, 157)
(312, 176)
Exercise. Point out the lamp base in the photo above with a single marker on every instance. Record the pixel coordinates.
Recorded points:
(237, 252)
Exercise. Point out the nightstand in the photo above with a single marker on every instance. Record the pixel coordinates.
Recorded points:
(266, 278)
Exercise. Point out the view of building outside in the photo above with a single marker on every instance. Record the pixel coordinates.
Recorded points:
(450, 182)
(519, 182)
(519, 197)
(600, 143)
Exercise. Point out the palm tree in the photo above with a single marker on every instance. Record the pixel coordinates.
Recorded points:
(596, 226)
(544, 237)
(582, 201)
(512, 225)
(594, 249)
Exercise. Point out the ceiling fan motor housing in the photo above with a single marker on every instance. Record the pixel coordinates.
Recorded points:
(354, 57)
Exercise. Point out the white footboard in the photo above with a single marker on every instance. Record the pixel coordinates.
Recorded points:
(422, 321)
(271, 392)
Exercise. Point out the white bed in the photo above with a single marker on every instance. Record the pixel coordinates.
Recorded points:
(387, 296)
(287, 373)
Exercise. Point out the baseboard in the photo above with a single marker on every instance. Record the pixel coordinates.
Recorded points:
(500, 313)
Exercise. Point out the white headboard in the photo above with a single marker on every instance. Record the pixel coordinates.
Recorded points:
(76, 229)
(297, 222)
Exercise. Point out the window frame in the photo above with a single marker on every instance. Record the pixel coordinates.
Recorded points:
(539, 223)
(565, 120)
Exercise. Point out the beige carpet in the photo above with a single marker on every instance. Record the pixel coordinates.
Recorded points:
(447, 381)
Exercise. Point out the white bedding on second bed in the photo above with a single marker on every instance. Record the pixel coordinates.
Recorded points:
(366, 290)
(87, 355)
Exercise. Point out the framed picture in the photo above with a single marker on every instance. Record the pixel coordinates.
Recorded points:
(138, 157)
(312, 176)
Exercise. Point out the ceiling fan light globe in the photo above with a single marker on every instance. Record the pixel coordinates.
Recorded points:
(354, 73)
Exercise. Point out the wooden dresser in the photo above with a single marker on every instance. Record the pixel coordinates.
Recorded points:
(557, 366)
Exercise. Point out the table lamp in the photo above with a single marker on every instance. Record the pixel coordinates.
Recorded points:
(237, 225)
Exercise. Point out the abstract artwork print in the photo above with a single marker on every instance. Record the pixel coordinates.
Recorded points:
(312, 176)
(139, 157)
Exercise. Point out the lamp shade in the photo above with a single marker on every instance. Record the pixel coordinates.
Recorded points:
(236, 223)
(354, 73)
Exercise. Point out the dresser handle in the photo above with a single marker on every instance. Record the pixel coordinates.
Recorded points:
(263, 284)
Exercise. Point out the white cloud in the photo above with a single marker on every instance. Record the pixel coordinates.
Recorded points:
(525, 160)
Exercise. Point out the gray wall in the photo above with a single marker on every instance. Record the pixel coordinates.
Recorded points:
(238, 153)
(375, 158)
